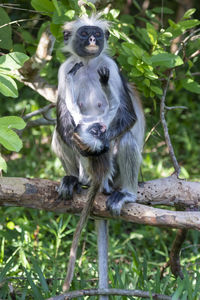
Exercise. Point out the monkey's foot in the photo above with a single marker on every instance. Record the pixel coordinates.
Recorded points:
(67, 186)
(117, 199)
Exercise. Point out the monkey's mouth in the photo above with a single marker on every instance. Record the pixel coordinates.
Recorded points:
(92, 48)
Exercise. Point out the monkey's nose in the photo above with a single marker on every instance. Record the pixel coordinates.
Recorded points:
(92, 40)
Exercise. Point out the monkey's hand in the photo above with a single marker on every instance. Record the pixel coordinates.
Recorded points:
(75, 68)
(104, 74)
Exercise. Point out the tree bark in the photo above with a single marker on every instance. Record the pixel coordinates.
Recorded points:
(42, 194)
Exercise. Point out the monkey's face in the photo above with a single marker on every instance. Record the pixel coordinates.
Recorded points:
(88, 41)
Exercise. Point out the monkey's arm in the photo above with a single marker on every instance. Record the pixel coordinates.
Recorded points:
(121, 115)
(68, 112)
(66, 97)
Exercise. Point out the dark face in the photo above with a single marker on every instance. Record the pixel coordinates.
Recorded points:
(89, 41)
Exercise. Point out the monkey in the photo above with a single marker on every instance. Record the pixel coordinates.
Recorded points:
(100, 121)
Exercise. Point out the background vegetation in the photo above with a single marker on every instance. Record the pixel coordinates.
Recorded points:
(34, 245)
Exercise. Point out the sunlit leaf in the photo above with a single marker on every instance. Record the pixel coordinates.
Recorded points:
(12, 122)
(3, 165)
(45, 6)
(190, 85)
(8, 86)
(168, 60)
(188, 13)
(9, 139)
(13, 61)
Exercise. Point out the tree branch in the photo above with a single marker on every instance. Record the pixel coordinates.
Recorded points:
(42, 194)
(119, 292)
(29, 74)
(165, 128)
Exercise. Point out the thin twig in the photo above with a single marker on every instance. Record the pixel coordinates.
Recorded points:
(165, 128)
(151, 131)
(40, 122)
(195, 74)
(175, 107)
(196, 53)
(8, 5)
(18, 21)
(119, 292)
(39, 111)
(190, 36)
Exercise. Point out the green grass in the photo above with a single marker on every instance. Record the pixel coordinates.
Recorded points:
(35, 249)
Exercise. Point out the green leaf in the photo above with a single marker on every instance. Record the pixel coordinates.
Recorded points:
(164, 10)
(55, 30)
(188, 13)
(8, 86)
(64, 15)
(149, 74)
(135, 73)
(184, 25)
(115, 33)
(41, 276)
(190, 85)
(146, 82)
(45, 6)
(3, 165)
(178, 292)
(151, 33)
(13, 61)
(115, 13)
(55, 2)
(167, 60)
(9, 139)
(137, 5)
(12, 122)
(5, 32)
(144, 35)
(156, 89)
(27, 36)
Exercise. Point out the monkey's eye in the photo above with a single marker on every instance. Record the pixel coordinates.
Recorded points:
(98, 34)
(84, 33)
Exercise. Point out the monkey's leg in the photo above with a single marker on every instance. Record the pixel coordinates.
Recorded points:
(102, 234)
(68, 158)
(128, 160)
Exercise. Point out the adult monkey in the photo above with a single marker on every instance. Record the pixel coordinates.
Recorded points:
(100, 123)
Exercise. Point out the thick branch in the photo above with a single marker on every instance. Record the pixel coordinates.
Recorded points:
(41, 194)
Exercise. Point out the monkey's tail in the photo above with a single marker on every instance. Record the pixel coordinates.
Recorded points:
(95, 186)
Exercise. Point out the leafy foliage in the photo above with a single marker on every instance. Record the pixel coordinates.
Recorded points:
(34, 245)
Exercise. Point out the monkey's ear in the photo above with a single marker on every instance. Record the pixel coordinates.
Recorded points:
(107, 34)
(66, 35)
